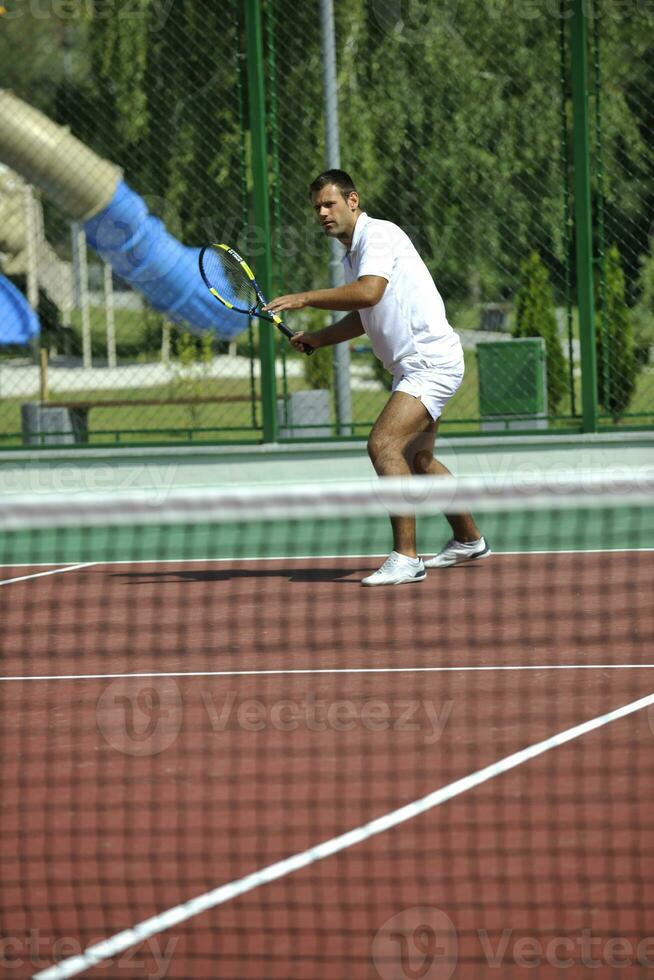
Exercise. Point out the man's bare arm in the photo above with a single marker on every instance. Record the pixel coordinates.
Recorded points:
(346, 329)
(360, 295)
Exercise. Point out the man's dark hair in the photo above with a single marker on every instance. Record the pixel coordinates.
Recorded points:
(339, 178)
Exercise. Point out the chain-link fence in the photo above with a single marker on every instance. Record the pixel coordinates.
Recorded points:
(116, 118)
(622, 149)
(456, 120)
(452, 131)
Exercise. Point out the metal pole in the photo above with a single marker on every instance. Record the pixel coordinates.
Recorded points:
(342, 386)
(263, 262)
(605, 358)
(81, 274)
(110, 316)
(567, 218)
(31, 261)
(165, 342)
(583, 221)
(44, 391)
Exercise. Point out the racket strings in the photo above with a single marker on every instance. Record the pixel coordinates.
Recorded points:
(229, 280)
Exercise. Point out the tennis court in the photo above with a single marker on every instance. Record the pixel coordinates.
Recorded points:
(222, 757)
(229, 760)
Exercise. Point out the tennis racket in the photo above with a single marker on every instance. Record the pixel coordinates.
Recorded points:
(230, 279)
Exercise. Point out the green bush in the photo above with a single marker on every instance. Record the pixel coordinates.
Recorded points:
(152, 332)
(643, 314)
(616, 357)
(535, 316)
(380, 374)
(318, 369)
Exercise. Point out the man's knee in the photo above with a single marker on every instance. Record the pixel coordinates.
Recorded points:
(422, 461)
(381, 447)
(376, 444)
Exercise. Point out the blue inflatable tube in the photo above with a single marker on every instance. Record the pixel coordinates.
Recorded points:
(18, 321)
(144, 254)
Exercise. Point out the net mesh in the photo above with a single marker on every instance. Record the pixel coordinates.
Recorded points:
(222, 757)
(224, 273)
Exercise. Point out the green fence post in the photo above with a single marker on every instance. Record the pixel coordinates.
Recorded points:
(583, 220)
(262, 263)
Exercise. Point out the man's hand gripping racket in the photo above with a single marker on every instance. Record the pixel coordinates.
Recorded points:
(230, 279)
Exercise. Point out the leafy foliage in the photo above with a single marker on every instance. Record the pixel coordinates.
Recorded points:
(450, 122)
(644, 311)
(159, 98)
(318, 369)
(616, 361)
(536, 317)
(380, 373)
(449, 116)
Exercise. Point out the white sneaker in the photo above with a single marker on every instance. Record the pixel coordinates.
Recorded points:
(396, 570)
(455, 552)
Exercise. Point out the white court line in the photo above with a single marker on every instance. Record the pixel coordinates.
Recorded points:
(54, 571)
(241, 558)
(108, 948)
(463, 668)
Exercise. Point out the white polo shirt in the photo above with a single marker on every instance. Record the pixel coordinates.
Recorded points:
(409, 322)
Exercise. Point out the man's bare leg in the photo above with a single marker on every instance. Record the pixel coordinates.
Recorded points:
(421, 460)
(403, 418)
(401, 443)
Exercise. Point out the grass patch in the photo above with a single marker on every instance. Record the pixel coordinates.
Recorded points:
(138, 340)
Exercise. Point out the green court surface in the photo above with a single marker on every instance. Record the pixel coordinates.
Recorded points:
(613, 527)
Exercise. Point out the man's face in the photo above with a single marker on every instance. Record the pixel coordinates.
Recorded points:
(336, 214)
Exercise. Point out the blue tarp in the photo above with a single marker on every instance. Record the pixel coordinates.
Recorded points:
(18, 321)
(144, 254)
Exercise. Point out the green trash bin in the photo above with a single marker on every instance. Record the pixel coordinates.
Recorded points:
(512, 384)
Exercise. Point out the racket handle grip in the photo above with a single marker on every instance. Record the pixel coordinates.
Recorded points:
(306, 348)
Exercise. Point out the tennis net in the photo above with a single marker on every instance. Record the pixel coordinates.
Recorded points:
(222, 757)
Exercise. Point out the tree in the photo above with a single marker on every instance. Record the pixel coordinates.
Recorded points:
(31, 54)
(616, 360)
(644, 311)
(164, 95)
(450, 119)
(536, 317)
(318, 369)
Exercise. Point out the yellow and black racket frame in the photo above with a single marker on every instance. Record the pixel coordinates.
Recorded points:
(251, 278)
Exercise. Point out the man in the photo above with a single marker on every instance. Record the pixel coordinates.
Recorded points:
(391, 297)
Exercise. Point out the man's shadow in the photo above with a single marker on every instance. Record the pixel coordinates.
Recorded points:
(343, 576)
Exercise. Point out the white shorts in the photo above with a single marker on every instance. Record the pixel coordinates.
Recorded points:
(433, 384)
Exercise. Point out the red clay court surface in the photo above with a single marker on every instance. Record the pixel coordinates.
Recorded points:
(123, 797)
